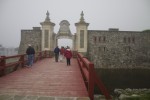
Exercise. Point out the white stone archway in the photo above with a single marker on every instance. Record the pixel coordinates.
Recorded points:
(49, 40)
(65, 33)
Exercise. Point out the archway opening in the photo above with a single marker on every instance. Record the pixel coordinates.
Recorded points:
(65, 43)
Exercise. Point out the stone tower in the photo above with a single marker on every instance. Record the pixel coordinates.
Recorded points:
(81, 35)
(47, 34)
(30, 36)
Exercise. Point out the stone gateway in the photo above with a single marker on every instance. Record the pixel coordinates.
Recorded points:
(105, 48)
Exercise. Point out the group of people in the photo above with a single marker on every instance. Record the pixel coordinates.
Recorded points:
(62, 52)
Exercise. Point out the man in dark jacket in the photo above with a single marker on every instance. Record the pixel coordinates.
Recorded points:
(30, 52)
(56, 51)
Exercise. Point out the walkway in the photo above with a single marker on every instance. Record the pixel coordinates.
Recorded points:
(46, 80)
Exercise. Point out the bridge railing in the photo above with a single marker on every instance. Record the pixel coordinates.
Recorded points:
(90, 77)
(9, 64)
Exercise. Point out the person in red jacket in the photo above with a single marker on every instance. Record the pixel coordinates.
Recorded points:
(68, 55)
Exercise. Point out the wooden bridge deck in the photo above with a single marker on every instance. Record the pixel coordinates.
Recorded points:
(45, 78)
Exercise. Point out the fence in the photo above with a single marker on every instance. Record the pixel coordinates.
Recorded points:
(90, 77)
(12, 63)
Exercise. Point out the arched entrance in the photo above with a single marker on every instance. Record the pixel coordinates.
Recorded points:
(65, 33)
(49, 40)
(65, 42)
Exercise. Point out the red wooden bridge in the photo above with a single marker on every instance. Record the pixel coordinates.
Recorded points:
(48, 80)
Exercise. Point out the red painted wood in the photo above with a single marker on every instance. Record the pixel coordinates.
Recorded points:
(2, 65)
(90, 77)
(91, 81)
(46, 78)
(101, 86)
(21, 62)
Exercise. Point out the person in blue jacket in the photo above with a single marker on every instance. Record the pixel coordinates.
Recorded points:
(56, 51)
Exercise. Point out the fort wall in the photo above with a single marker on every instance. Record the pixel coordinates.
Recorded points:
(32, 37)
(119, 49)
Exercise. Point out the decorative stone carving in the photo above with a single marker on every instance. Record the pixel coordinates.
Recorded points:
(64, 28)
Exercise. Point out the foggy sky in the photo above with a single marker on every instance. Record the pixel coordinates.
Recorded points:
(127, 15)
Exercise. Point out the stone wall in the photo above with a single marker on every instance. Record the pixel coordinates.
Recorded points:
(106, 49)
(119, 49)
(32, 37)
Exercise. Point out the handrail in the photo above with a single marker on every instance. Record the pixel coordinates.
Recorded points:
(20, 62)
(90, 77)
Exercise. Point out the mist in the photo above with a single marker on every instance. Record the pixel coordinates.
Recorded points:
(15, 15)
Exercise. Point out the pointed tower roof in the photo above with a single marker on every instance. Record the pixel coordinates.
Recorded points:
(82, 20)
(82, 17)
(47, 20)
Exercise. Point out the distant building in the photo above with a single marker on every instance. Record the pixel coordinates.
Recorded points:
(8, 51)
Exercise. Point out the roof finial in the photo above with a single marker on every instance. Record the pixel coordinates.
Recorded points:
(47, 13)
(82, 17)
(47, 16)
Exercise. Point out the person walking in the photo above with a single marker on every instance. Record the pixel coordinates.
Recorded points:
(30, 53)
(68, 55)
(62, 51)
(56, 51)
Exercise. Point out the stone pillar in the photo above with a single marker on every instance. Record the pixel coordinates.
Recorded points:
(81, 35)
(47, 42)
(73, 42)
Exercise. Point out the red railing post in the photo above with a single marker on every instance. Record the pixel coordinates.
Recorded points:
(50, 54)
(35, 57)
(22, 60)
(101, 86)
(42, 54)
(45, 54)
(39, 56)
(2, 65)
(91, 81)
